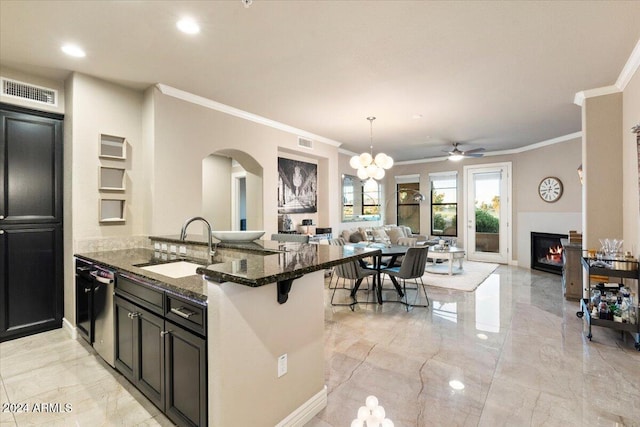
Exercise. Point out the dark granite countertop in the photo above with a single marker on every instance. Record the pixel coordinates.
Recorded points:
(247, 266)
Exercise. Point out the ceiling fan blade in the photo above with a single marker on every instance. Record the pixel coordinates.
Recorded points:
(475, 150)
(473, 155)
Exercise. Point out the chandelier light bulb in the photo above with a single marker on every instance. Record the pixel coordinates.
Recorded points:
(365, 159)
(381, 159)
(371, 402)
(388, 164)
(355, 162)
(379, 174)
(362, 173)
(371, 170)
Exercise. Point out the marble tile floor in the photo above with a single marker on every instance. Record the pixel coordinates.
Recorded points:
(515, 344)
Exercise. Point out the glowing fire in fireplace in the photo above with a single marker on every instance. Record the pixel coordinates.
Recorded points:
(555, 254)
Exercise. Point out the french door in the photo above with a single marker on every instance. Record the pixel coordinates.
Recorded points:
(488, 212)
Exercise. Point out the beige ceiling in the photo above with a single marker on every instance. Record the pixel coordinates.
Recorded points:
(493, 74)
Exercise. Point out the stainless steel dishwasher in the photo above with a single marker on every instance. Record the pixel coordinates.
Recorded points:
(94, 307)
(104, 323)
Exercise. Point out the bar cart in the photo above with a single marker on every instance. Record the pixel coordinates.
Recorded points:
(623, 269)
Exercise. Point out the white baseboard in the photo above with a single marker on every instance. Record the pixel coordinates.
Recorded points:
(306, 411)
(513, 262)
(73, 332)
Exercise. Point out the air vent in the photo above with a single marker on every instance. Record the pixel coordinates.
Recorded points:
(29, 92)
(305, 143)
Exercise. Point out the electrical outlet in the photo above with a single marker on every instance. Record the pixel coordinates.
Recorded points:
(282, 365)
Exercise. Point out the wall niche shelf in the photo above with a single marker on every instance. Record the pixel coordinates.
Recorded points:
(111, 179)
(111, 211)
(113, 147)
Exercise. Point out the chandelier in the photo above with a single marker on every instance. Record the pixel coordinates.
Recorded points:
(369, 166)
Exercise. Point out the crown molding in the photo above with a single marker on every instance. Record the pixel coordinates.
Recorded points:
(223, 108)
(535, 146)
(600, 91)
(629, 69)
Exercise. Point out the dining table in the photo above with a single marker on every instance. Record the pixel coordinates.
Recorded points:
(387, 257)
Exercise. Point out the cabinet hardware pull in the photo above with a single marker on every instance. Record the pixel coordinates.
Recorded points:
(87, 290)
(183, 312)
(163, 333)
(134, 314)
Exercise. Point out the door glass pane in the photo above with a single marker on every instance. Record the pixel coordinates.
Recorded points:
(487, 211)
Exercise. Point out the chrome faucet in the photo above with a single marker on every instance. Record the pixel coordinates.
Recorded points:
(183, 233)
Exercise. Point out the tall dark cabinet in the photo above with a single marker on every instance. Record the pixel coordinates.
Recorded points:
(31, 262)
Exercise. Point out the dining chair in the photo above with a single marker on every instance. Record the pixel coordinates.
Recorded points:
(403, 241)
(339, 241)
(412, 267)
(353, 272)
(284, 237)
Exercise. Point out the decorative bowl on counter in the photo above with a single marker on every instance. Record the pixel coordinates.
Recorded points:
(237, 236)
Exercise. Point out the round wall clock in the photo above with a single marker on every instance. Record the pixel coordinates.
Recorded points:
(550, 189)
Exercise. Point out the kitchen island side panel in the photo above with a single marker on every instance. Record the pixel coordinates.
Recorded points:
(247, 331)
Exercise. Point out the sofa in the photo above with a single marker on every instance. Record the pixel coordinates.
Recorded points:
(386, 234)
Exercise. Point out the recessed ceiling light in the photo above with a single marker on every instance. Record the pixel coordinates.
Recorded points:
(73, 50)
(188, 25)
(417, 116)
(456, 385)
(482, 336)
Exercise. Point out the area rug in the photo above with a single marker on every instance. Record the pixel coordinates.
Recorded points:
(472, 275)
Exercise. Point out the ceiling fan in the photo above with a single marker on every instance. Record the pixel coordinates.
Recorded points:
(457, 154)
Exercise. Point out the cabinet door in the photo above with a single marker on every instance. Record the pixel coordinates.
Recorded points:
(186, 377)
(31, 279)
(150, 372)
(30, 168)
(125, 342)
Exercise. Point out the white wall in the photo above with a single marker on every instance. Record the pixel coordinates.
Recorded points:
(216, 180)
(630, 166)
(186, 133)
(602, 165)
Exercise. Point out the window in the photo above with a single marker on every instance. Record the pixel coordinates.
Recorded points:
(408, 207)
(371, 197)
(347, 197)
(444, 206)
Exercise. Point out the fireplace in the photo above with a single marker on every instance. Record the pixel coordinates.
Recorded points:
(546, 252)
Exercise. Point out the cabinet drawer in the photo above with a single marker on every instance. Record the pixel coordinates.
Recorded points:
(140, 293)
(186, 313)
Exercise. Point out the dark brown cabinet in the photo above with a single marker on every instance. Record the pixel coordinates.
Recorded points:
(140, 348)
(166, 361)
(31, 263)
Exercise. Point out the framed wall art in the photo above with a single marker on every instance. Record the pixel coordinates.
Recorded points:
(297, 186)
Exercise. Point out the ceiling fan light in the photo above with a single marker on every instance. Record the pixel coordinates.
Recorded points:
(362, 173)
(365, 159)
(456, 157)
(355, 162)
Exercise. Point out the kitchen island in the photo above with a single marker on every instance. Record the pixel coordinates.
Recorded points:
(264, 324)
